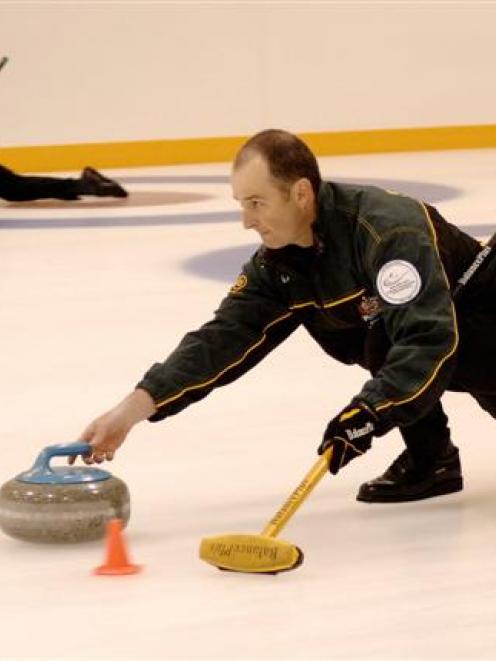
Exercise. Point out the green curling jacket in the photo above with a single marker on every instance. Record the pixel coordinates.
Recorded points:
(377, 255)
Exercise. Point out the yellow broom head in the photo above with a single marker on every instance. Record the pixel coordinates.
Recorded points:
(250, 553)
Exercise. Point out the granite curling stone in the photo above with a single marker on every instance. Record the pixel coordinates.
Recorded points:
(62, 504)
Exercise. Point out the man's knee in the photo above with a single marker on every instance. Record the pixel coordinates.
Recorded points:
(486, 402)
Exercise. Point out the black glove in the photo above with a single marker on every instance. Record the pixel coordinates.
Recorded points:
(350, 434)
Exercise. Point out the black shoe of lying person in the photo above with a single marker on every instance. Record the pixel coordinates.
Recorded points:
(94, 183)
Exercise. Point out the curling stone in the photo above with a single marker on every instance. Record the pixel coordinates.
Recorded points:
(62, 504)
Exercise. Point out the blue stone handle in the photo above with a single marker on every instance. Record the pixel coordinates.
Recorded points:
(42, 464)
(42, 473)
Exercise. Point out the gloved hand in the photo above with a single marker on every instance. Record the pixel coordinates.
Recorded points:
(350, 433)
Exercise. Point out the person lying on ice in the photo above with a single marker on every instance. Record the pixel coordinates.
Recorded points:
(16, 187)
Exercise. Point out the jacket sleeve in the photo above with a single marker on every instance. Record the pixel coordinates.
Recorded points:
(422, 330)
(251, 321)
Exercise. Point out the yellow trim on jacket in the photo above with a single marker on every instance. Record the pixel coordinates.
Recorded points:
(424, 387)
(330, 304)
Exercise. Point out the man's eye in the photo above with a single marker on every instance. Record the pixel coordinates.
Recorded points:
(255, 204)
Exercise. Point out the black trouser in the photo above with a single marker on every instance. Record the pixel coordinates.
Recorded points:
(19, 188)
(475, 371)
(426, 438)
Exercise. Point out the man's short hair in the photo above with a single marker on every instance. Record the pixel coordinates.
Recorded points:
(288, 158)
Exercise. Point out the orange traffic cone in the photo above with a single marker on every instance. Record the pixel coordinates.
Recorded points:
(117, 562)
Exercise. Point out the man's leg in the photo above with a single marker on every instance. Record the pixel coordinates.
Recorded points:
(486, 402)
(430, 465)
(20, 188)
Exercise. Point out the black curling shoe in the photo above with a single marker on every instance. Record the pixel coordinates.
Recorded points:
(94, 183)
(403, 481)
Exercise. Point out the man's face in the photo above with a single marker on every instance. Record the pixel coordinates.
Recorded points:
(280, 217)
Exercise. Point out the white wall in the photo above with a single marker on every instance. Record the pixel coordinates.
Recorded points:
(105, 71)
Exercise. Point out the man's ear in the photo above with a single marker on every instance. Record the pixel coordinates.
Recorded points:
(303, 192)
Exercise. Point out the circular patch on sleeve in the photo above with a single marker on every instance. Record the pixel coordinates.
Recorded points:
(240, 284)
(398, 282)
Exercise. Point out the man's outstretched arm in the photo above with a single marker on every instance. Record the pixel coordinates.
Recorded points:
(250, 322)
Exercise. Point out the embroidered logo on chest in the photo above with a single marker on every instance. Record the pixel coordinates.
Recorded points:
(240, 284)
(398, 282)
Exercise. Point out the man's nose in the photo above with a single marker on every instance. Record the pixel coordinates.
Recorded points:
(249, 221)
